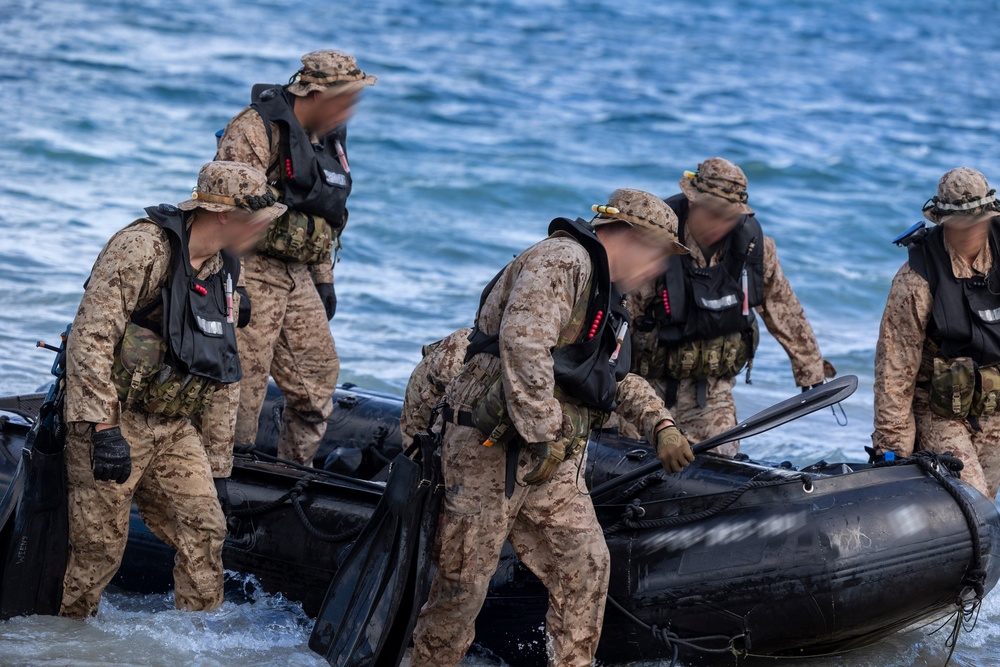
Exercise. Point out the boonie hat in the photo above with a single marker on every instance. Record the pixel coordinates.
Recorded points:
(718, 182)
(329, 72)
(962, 194)
(643, 210)
(228, 186)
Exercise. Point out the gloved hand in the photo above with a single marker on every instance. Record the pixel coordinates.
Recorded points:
(222, 491)
(112, 455)
(813, 386)
(673, 449)
(550, 455)
(329, 298)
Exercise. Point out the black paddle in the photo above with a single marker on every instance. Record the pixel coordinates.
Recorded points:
(805, 403)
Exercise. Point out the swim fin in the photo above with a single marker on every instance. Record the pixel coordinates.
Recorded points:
(373, 601)
(36, 529)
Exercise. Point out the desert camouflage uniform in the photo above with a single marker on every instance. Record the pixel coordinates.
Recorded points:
(441, 362)
(288, 336)
(904, 421)
(552, 526)
(785, 320)
(173, 460)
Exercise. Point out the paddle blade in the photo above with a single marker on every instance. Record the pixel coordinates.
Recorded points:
(787, 410)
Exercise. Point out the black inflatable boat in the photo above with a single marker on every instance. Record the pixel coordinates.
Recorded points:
(728, 557)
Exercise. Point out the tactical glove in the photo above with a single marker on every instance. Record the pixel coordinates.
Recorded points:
(329, 298)
(673, 449)
(813, 386)
(550, 455)
(112, 455)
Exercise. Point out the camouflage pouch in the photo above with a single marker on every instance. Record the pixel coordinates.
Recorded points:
(984, 398)
(684, 361)
(490, 415)
(177, 394)
(145, 382)
(953, 383)
(737, 351)
(577, 423)
(139, 357)
(298, 237)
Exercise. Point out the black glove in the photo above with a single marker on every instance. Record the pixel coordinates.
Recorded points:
(813, 386)
(329, 298)
(112, 455)
(222, 491)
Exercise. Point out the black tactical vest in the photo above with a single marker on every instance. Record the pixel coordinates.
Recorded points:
(965, 320)
(200, 340)
(320, 180)
(707, 302)
(584, 370)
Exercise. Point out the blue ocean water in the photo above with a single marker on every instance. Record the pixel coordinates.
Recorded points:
(489, 119)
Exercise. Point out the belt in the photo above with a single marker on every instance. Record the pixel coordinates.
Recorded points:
(459, 417)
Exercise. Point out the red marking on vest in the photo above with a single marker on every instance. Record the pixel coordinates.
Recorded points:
(596, 325)
(288, 167)
(199, 289)
(666, 302)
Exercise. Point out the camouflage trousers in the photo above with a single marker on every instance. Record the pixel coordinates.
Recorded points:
(718, 415)
(978, 450)
(171, 483)
(289, 339)
(554, 531)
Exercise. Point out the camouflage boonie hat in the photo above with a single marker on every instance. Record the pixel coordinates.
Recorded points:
(331, 73)
(718, 182)
(962, 193)
(228, 186)
(644, 210)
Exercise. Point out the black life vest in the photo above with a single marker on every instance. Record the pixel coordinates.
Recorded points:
(965, 319)
(584, 370)
(707, 302)
(199, 339)
(320, 178)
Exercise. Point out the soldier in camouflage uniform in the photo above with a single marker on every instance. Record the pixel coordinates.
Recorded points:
(441, 362)
(297, 135)
(552, 311)
(694, 328)
(145, 423)
(936, 362)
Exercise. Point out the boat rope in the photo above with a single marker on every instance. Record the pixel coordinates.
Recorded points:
(945, 469)
(296, 496)
(670, 639)
(631, 516)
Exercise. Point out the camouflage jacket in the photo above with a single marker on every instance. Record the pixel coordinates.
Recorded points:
(902, 355)
(245, 140)
(129, 274)
(545, 283)
(782, 313)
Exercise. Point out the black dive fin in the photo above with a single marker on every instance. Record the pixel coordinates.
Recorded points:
(37, 545)
(373, 601)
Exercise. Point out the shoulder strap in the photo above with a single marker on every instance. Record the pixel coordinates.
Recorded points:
(478, 340)
(258, 104)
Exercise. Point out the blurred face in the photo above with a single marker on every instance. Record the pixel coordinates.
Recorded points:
(709, 224)
(639, 260)
(332, 112)
(241, 230)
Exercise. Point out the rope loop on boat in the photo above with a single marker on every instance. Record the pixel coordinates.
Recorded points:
(631, 517)
(296, 496)
(946, 468)
(714, 644)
